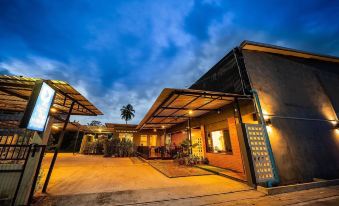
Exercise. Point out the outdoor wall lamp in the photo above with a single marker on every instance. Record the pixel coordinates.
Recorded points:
(336, 127)
(268, 122)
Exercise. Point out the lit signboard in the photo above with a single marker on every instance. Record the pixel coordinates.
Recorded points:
(41, 101)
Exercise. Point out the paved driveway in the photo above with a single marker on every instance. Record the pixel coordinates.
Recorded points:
(132, 179)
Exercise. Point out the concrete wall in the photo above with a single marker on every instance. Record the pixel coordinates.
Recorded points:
(291, 88)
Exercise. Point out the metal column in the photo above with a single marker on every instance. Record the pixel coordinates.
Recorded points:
(61, 137)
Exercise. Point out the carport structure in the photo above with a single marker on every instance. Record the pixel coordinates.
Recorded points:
(188, 113)
(174, 106)
(15, 95)
(15, 92)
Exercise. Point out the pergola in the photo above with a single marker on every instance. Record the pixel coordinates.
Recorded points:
(174, 106)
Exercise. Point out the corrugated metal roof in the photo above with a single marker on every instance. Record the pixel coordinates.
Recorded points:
(15, 92)
(173, 106)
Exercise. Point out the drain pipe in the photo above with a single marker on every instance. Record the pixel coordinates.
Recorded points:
(274, 167)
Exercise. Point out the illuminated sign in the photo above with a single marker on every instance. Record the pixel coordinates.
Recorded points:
(38, 107)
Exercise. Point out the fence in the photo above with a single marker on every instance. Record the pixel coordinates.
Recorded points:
(18, 174)
(20, 161)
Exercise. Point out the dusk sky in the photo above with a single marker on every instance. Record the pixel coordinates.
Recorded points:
(119, 52)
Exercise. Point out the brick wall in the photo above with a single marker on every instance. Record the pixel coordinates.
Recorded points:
(229, 161)
(178, 137)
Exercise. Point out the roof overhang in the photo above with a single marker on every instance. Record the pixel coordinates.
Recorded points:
(255, 46)
(15, 92)
(174, 106)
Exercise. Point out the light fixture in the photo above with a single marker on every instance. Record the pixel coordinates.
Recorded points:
(268, 122)
(190, 112)
(336, 127)
(269, 129)
(53, 110)
(266, 116)
(163, 126)
(218, 111)
(154, 130)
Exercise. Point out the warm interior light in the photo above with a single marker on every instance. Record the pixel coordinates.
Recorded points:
(190, 112)
(154, 130)
(218, 141)
(53, 110)
(99, 130)
(163, 126)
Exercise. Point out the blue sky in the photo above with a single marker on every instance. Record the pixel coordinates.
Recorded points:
(119, 52)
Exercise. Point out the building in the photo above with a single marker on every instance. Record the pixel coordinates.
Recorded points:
(268, 112)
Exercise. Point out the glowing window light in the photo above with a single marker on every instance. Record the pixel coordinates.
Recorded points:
(218, 141)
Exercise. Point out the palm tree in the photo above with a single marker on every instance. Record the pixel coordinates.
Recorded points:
(127, 112)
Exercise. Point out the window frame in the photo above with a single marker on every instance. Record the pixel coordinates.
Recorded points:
(208, 135)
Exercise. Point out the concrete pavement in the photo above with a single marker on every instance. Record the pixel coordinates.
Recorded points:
(94, 180)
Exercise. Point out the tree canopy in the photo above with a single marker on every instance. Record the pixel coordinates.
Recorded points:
(127, 112)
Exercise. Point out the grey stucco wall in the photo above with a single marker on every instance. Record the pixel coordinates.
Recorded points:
(291, 88)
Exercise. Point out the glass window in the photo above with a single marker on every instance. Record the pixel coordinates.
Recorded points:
(143, 140)
(153, 140)
(168, 139)
(219, 141)
(126, 136)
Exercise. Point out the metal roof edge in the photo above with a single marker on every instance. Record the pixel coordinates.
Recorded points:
(256, 46)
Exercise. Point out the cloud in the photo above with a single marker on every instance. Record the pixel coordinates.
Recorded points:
(40, 67)
(116, 53)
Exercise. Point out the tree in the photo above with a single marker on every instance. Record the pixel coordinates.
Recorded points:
(94, 123)
(127, 112)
